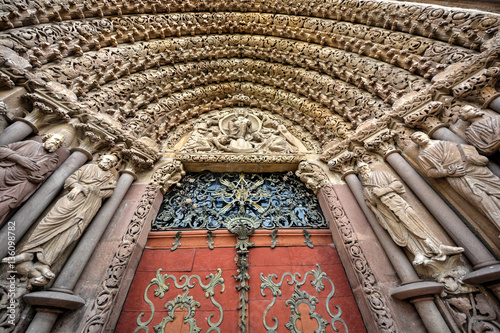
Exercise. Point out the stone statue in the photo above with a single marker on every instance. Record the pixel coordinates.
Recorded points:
(464, 169)
(24, 166)
(382, 192)
(312, 176)
(66, 221)
(483, 133)
(168, 176)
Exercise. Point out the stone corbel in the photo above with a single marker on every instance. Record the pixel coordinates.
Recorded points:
(480, 87)
(168, 175)
(312, 176)
(420, 110)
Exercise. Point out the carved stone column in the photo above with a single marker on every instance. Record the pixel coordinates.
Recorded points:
(417, 291)
(41, 199)
(61, 292)
(412, 288)
(485, 264)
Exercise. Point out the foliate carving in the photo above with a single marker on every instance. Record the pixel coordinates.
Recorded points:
(474, 311)
(371, 290)
(65, 222)
(483, 132)
(418, 110)
(312, 176)
(167, 176)
(24, 166)
(98, 311)
(474, 80)
(382, 192)
(464, 169)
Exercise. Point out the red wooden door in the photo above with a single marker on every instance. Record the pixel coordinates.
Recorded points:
(292, 287)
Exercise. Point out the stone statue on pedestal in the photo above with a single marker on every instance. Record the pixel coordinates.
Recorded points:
(464, 169)
(66, 221)
(482, 133)
(24, 166)
(382, 192)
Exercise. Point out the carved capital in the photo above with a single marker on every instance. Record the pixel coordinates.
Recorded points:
(480, 87)
(381, 142)
(343, 163)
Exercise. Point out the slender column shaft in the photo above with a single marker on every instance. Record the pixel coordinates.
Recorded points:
(43, 322)
(73, 268)
(427, 310)
(430, 315)
(15, 132)
(68, 277)
(445, 134)
(475, 251)
(40, 200)
(401, 264)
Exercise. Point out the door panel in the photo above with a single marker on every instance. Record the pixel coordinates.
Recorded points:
(302, 285)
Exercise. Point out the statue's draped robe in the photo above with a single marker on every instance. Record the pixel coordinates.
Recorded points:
(16, 182)
(479, 186)
(397, 217)
(67, 220)
(485, 135)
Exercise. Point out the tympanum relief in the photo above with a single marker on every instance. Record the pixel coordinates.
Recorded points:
(241, 135)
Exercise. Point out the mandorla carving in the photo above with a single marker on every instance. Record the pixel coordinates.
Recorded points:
(241, 131)
(65, 222)
(464, 169)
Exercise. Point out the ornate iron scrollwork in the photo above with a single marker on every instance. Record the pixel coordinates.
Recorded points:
(300, 296)
(209, 200)
(182, 301)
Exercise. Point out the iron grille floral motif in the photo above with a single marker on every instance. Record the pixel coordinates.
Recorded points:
(207, 200)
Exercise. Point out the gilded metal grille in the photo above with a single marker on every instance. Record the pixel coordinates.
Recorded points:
(209, 200)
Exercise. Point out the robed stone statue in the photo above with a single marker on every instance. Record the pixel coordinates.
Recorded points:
(382, 192)
(483, 132)
(24, 166)
(464, 169)
(66, 221)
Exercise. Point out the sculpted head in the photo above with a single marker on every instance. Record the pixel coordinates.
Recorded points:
(53, 142)
(420, 138)
(364, 171)
(106, 162)
(468, 112)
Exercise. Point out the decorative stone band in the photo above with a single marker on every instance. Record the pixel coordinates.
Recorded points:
(372, 292)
